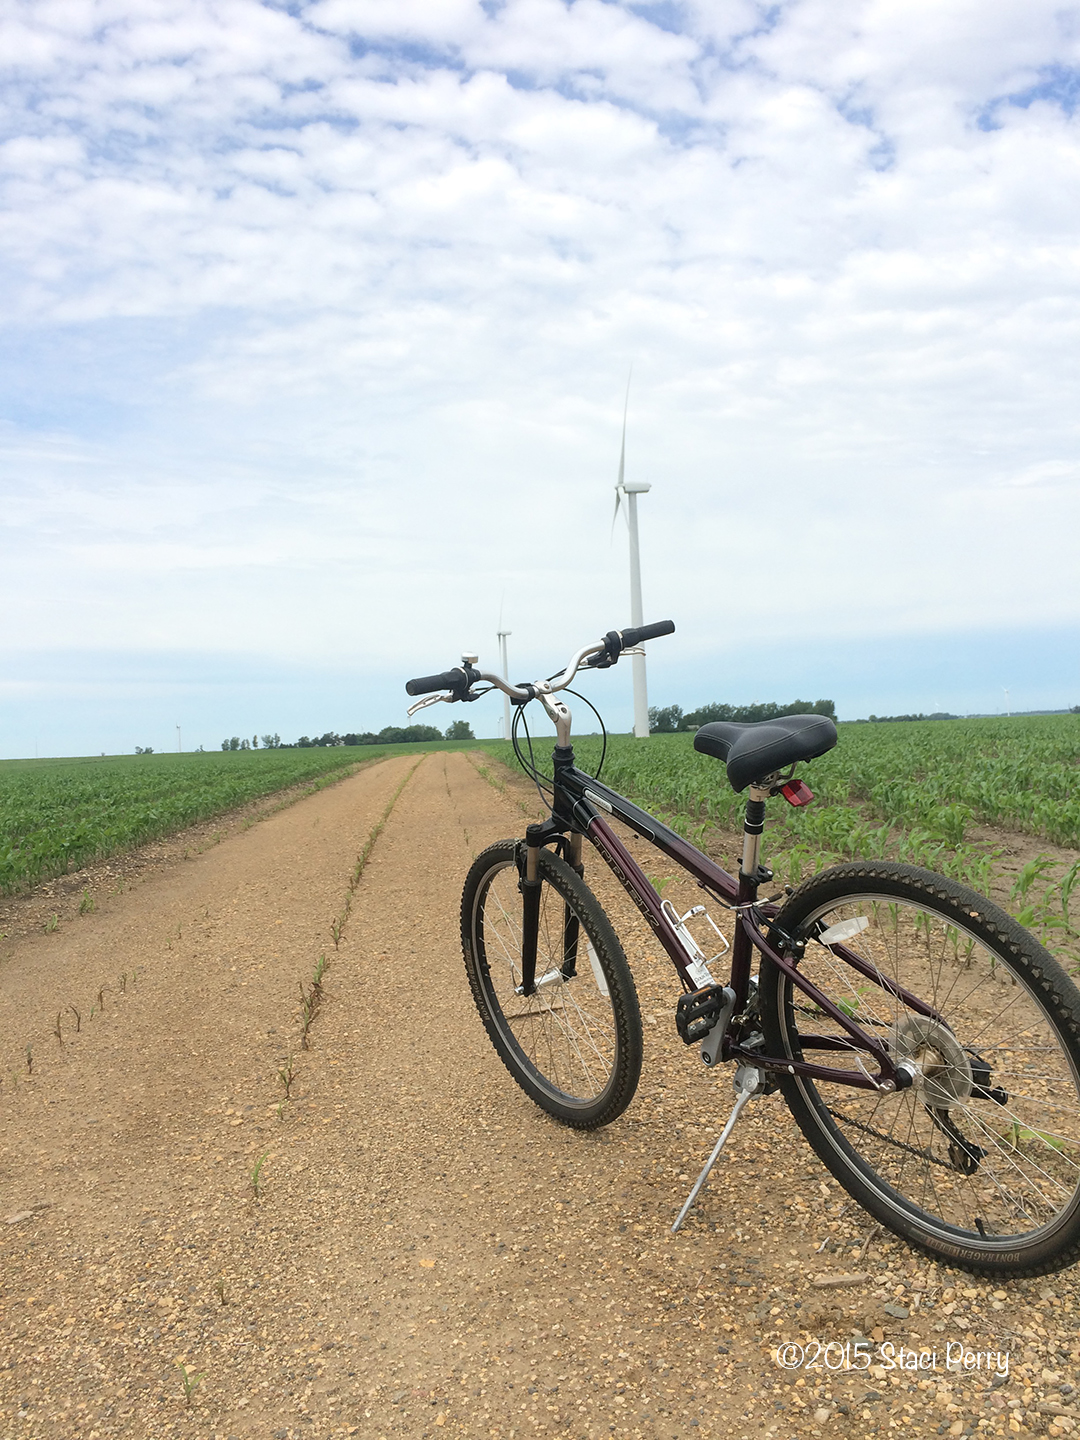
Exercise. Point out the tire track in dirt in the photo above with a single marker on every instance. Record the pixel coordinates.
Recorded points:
(431, 1255)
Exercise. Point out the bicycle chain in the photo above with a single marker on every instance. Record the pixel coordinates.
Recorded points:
(890, 1140)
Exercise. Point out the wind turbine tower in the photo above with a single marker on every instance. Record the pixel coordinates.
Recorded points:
(632, 489)
(502, 634)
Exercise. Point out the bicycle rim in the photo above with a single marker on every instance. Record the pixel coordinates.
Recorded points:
(571, 1042)
(979, 1159)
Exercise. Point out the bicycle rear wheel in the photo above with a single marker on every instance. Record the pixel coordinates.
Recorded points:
(574, 1045)
(978, 1162)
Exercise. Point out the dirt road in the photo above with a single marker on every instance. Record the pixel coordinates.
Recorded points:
(427, 1254)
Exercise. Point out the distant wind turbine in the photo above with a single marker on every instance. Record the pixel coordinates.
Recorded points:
(502, 634)
(632, 490)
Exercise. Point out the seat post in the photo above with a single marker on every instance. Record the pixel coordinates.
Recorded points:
(753, 825)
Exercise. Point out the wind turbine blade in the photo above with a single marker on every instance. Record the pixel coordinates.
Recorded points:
(622, 451)
(619, 484)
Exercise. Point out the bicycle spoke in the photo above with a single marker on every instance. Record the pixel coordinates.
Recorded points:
(986, 1139)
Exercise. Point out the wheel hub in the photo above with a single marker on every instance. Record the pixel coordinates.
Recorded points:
(941, 1066)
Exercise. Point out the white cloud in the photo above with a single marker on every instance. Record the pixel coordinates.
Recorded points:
(324, 313)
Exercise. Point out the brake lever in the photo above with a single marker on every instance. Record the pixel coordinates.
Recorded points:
(428, 700)
(603, 661)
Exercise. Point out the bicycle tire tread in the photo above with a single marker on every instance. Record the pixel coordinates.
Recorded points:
(1026, 956)
(624, 1000)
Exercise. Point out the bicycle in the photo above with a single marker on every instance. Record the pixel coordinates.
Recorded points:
(926, 1045)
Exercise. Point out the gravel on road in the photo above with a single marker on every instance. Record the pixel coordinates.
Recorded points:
(209, 1230)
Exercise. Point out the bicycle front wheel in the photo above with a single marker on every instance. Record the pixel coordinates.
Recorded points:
(978, 1162)
(574, 1045)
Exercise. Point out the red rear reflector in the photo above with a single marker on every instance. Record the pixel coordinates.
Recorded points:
(797, 792)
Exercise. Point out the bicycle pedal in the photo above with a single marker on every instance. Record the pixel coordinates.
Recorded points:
(698, 1012)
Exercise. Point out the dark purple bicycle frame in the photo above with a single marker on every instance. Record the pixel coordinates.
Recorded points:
(580, 796)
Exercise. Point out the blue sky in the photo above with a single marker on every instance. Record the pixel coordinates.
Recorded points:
(317, 320)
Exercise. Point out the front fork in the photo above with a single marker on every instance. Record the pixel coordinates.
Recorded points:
(530, 885)
(571, 923)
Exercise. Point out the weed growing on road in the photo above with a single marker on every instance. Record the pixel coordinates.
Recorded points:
(287, 1076)
(219, 1290)
(57, 1031)
(78, 1018)
(51, 924)
(29, 1060)
(307, 1012)
(86, 904)
(256, 1176)
(189, 1381)
(337, 925)
(492, 779)
(310, 1000)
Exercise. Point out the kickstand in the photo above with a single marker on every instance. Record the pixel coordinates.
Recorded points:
(748, 1081)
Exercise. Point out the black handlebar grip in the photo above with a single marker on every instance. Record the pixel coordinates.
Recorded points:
(426, 684)
(647, 632)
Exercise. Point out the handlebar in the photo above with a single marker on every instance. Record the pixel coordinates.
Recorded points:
(457, 679)
(647, 632)
(600, 656)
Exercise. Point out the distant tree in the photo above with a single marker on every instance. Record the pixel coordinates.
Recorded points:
(407, 734)
(234, 743)
(144, 749)
(245, 744)
(254, 742)
(390, 735)
(271, 742)
(706, 714)
(460, 730)
(747, 714)
(1075, 710)
(665, 720)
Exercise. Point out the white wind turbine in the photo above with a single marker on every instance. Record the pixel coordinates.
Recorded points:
(632, 489)
(501, 635)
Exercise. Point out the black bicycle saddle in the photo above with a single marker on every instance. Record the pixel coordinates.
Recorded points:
(756, 750)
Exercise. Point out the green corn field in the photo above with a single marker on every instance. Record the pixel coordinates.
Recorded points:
(912, 791)
(56, 815)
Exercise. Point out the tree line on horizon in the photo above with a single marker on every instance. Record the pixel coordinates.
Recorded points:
(389, 735)
(667, 719)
